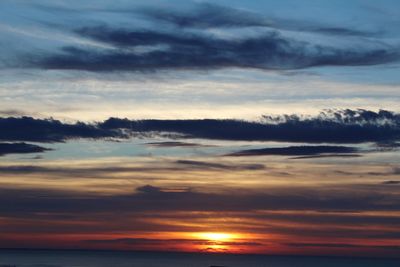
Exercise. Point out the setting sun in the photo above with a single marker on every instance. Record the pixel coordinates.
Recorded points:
(197, 133)
(216, 236)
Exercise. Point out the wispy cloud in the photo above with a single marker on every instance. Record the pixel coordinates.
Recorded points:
(207, 15)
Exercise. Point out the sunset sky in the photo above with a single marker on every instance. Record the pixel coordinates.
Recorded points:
(233, 126)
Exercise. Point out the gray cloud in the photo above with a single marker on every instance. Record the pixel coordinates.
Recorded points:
(207, 15)
(190, 46)
(150, 198)
(268, 51)
(297, 151)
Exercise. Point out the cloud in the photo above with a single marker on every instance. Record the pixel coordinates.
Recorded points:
(158, 199)
(207, 15)
(20, 148)
(154, 241)
(177, 166)
(328, 156)
(391, 182)
(312, 214)
(195, 47)
(204, 38)
(343, 126)
(331, 218)
(175, 144)
(212, 165)
(390, 172)
(100, 172)
(393, 171)
(48, 130)
(106, 171)
(344, 31)
(341, 245)
(268, 51)
(12, 112)
(296, 151)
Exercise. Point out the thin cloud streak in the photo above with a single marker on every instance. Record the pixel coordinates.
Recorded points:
(297, 151)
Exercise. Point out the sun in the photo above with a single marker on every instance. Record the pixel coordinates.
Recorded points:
(215, 242)
(218, 237)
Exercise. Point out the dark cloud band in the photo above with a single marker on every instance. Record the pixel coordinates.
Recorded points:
(150, 198)
(346, 126)
(188, 44)
(268, 51)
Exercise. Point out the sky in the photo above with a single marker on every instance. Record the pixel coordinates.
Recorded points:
(266, 127)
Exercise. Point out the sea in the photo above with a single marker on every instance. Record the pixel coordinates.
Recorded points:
(77, 258)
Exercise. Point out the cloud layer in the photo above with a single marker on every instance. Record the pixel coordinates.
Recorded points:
(187, 41)
(268, 51)
(346, 126)
(152, 198)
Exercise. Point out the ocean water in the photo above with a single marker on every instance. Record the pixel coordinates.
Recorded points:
(55, 258)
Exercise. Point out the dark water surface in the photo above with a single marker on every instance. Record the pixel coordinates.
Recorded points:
(62, 258)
